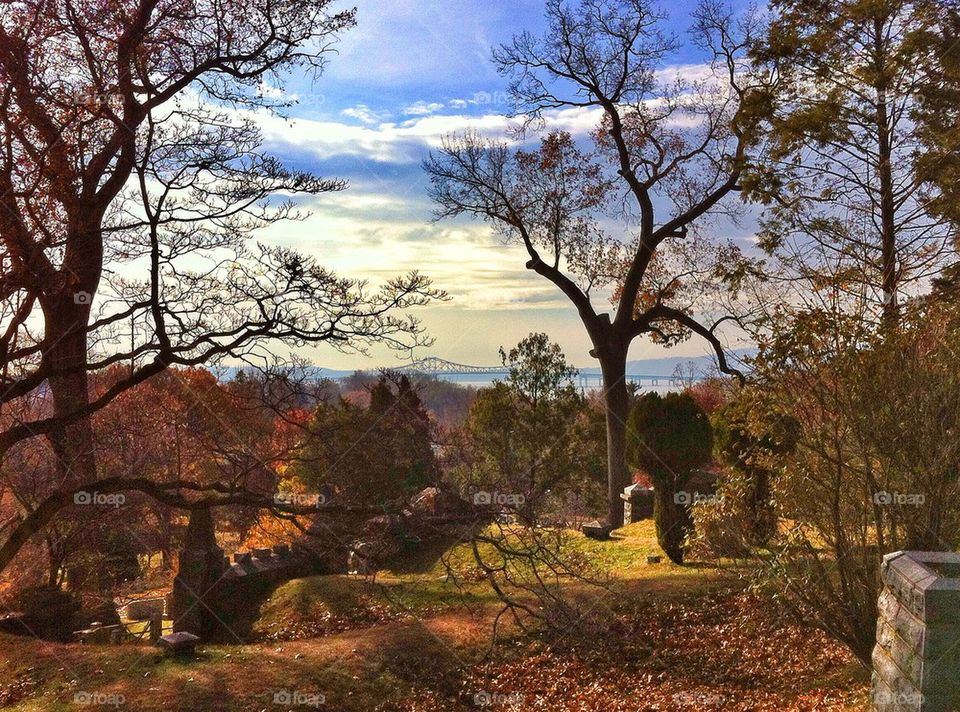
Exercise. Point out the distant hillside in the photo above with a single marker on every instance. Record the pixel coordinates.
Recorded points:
(667, 366)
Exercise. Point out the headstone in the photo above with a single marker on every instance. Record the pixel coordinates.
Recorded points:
(654, 558)
(596, 530)
(637, 503)
(917, 656)
(263, 553)
(358, 561)
(99, 634)
(282, 550)
(179, 643)
(16, 624)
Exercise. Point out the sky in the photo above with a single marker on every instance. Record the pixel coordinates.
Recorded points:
(410, 72)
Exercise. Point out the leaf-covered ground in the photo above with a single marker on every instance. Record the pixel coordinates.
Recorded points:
(715, 650)
(666, 638)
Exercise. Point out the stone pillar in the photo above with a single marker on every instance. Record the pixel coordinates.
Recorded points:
(201, 568)
(916, 661)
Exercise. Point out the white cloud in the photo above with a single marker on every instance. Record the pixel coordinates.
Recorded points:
(467, 260)
(687, 73)
(404, 142)
(386, 142)
(272, 92)
(422, 108)
(364, 113)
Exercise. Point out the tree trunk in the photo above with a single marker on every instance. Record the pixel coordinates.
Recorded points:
(617, 402)
(888, 230)
(673, 521)
(763, 518)
(72, 444)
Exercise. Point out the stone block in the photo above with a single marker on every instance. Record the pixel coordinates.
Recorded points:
(595, 530)
(917, 657)
(180, 643)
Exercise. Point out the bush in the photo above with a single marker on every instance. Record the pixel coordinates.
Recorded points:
(720, 523)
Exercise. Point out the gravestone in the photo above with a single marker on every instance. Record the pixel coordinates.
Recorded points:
(916, 661)
(358, 561)
(181, 643)
(595, 530)
(201, 569)
(637, 503)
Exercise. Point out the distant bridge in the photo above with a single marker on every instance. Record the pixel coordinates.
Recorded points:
(436, 366)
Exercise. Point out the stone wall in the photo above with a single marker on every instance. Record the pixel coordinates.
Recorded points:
(916, 661)
(209, 592)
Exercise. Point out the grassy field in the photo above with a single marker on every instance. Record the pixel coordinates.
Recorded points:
(671, 638)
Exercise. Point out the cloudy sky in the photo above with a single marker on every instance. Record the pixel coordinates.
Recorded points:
(409, 73)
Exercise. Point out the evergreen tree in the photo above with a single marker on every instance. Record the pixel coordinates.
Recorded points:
(669, 437)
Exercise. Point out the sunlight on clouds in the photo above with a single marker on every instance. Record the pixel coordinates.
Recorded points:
(471, 264)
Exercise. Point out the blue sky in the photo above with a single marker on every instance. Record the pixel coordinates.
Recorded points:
(409, 73)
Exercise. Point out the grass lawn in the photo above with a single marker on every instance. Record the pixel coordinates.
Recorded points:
(675, 638)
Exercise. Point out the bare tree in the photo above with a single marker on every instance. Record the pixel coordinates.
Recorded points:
(132, 180)
(665, 157)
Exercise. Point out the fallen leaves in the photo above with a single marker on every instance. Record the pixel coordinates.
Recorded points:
(714, 650)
